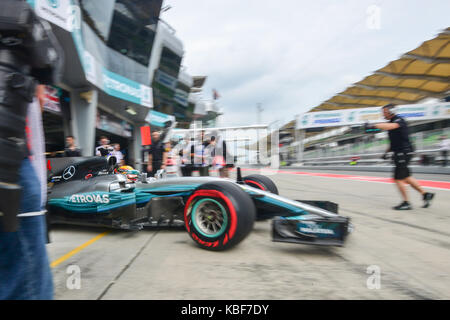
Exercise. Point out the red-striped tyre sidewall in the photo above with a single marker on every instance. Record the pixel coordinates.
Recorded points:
(261, 182)
(240, 212)
(255, 184)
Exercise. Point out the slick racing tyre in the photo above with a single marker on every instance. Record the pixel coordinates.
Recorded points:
(219, 215)
(261, 182)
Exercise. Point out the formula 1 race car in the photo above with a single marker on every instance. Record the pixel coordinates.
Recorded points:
(217, 213)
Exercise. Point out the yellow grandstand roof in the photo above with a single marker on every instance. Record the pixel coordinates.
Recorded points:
(421, 73)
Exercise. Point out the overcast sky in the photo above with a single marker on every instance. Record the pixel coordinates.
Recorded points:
(291, 55)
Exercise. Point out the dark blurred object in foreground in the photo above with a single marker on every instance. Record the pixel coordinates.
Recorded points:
(29, 53)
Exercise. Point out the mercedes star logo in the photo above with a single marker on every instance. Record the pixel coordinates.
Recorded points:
(68, 173)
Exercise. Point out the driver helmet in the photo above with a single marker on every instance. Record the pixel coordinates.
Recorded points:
(129, 172)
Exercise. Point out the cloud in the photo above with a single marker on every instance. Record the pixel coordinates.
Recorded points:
(292, 55)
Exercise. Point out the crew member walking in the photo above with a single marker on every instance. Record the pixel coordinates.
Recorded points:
(402, 151)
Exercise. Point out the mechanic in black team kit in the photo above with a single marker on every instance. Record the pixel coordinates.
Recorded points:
(402, 152)
(157, 155)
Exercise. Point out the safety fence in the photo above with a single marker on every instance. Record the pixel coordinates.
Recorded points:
(426, 143)
(419, 157)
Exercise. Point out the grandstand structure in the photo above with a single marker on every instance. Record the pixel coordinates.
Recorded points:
(420, 76)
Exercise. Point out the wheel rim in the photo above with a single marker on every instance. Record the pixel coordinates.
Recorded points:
(209, 217)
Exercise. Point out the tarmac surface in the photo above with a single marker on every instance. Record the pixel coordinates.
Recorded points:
(409, 250)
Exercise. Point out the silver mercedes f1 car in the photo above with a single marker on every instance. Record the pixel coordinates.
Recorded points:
(217, 213)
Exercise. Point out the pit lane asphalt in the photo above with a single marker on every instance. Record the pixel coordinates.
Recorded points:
(411, 248)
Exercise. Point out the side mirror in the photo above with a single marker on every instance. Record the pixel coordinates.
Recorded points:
(112, 162)
(144, 177)
(161, 174)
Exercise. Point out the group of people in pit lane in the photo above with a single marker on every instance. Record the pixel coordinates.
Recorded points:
(201, 154)
(184, 155)
(105, 148)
